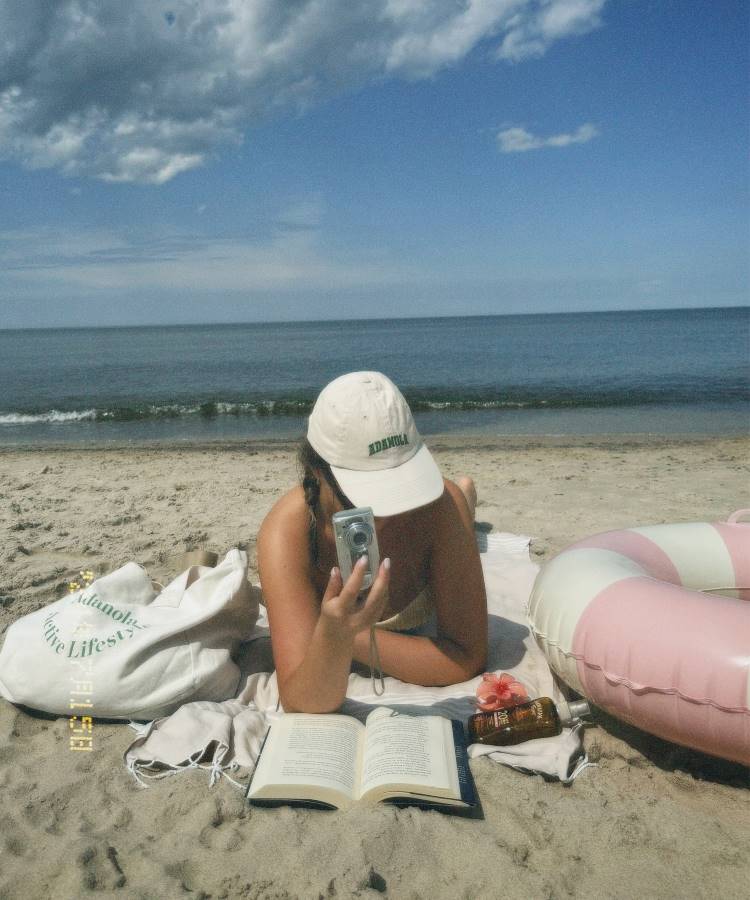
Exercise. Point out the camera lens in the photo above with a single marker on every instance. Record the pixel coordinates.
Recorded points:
(358, 536)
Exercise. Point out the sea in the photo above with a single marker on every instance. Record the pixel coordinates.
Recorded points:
(659, 372)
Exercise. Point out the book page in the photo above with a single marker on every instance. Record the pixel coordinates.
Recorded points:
(407, 750)
(312, 751)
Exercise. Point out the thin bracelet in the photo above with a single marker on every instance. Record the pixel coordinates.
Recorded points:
(375, 655)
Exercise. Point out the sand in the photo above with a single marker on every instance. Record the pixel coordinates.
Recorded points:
(653, 820)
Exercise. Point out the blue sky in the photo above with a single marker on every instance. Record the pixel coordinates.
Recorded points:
(255, 161)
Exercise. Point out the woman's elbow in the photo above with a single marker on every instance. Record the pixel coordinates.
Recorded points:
(289, 706)
(475, 662)
(467, 663)
(293, 704)
(479, 667)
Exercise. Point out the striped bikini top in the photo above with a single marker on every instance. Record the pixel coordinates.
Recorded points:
(412, 616)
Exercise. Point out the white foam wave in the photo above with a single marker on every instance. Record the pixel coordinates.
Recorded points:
(53, 415)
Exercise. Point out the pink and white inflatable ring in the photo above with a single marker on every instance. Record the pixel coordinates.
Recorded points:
(653, 625)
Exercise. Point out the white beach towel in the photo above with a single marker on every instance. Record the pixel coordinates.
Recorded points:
(230, 734)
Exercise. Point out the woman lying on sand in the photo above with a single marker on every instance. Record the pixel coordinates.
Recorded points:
(363, 449)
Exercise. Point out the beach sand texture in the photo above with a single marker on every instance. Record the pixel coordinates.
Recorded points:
(652, 821)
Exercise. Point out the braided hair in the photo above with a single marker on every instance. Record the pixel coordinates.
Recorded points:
(311, 463)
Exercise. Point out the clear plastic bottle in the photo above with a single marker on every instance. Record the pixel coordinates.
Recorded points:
(535, 719)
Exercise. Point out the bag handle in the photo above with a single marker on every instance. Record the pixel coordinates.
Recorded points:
(734, 519)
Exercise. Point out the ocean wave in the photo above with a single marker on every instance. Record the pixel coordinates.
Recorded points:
(52, 416)
(137, 411)
(421, 401)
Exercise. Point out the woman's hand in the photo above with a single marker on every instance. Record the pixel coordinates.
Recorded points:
(342, 611)
(312, 640)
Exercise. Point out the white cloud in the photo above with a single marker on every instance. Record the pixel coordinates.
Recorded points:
(519, 140)
(143, 90)
(529, 36)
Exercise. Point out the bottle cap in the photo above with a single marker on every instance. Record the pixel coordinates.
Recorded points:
(571, 710)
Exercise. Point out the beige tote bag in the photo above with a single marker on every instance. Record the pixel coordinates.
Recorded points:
(117, 649)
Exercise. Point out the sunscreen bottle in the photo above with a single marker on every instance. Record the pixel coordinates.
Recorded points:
(535, 719)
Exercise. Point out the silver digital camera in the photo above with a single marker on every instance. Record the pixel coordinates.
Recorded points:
(354, 530)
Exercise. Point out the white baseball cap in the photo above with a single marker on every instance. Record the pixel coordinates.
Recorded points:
(362, 426)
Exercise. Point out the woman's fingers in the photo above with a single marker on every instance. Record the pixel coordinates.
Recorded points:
(378, 595)
(340, 599)
(353, 585)
(334, 584)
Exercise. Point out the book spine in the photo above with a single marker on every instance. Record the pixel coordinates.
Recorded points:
(465, 778)
(257, 760)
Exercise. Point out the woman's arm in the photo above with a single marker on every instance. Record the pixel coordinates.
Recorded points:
(460, 650)
(312, 642)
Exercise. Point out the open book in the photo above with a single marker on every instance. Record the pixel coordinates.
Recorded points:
(335, 761)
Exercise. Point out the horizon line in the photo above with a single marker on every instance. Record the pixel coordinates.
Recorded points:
(580, 312)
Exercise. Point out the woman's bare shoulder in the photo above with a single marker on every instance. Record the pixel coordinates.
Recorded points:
(429, 519)
(290, 514)
(452, 506)
(283, 543)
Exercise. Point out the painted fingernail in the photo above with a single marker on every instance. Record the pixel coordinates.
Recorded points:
(362, 562)
(387, 563)
(334, 572)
